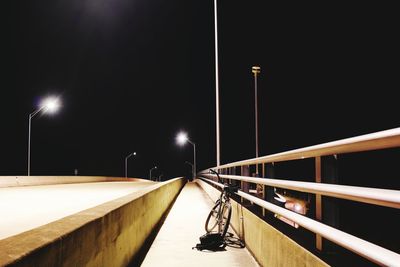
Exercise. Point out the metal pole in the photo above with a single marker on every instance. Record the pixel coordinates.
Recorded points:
(256, 70)
(194, 170)
(29, 137)
(155, 167)
(256, 112)
(29, 146)
(216, 82)
(126, 167)
(194, 160)
(191, 165)
(126, 163)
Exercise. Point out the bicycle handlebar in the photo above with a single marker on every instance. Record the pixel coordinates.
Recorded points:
(227, 187)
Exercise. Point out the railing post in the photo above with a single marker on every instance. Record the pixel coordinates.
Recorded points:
(232, 171)
(326, 171)
(244, 186)
(263, 195)
(318, 201)
(268, 172)
(330, 215)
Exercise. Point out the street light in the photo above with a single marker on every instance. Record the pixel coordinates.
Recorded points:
(256, 71)
(155, 167)
(49, 105)
(181, 139)
(216, 82)
(126, 163)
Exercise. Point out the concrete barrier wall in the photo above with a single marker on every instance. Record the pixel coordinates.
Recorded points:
(111, 234)
(269, 246)
(11, 181)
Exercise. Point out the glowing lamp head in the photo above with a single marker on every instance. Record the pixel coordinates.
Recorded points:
(50, 105)
(181, 138)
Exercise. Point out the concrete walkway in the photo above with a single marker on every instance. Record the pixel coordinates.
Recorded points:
(181, 231)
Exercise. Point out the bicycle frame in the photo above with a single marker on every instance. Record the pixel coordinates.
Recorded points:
(221, 212)
(224, 200)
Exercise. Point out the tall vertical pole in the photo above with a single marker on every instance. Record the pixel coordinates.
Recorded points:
(29, 145)
(31, 115)
(194, 161)
(126, 163)
(155, 167)
(216, 83)
(256, 70)
(126, 167)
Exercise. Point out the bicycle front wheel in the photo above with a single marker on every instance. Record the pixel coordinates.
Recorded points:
(212, 218)
(225, 218)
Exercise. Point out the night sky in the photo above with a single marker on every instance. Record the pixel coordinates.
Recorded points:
(131, 74)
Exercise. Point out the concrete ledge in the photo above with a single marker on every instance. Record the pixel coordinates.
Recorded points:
(111, 234)
(269, 246)
(11, 181)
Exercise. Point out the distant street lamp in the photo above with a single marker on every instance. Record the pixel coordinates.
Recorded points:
(155, 167)
(256, 71)
(49, 105)
(181, 139)
(126, 163)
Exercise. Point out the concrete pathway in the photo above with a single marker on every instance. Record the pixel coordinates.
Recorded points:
(181, 231)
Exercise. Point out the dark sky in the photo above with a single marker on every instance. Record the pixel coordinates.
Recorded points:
(131, 74)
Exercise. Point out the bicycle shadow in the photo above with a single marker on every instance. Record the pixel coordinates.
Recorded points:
(233, 241)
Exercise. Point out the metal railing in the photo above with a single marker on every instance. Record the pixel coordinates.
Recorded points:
(376, 196)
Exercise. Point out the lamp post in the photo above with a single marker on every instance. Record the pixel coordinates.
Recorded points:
(256, 71)
(49, 105)
(155, 167)
(126, 163)
(189, 163)
(181, 139)
(216, 83)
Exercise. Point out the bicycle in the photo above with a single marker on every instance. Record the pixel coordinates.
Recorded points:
(220, 214)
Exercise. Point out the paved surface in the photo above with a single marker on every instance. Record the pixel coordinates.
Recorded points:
(25, 208)
(181, 231)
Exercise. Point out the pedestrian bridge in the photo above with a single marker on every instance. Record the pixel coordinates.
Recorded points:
(295, 208)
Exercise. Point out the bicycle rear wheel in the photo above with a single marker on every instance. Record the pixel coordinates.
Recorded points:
(212, 218)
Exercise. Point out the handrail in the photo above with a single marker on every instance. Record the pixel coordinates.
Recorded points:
(359, 246)
(375, 141)
(382, 197)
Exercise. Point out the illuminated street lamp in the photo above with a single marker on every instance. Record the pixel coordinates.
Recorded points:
(126, 163)
(49, 105)
(256, 71)
(154, 168)
(181, 139)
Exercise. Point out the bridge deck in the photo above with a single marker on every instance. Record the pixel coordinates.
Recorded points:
(27, 207)
(181, 231)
